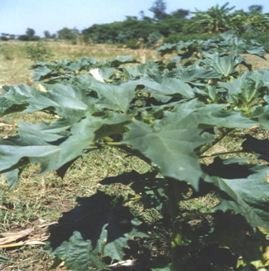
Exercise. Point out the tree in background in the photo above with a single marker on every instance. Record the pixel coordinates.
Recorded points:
(7, 36)
(257, 20)
(29, 35)
(180, 13)
(215, 20)
(159, 9)
(239, 21)
(48, 35)
(68, 34)
(178, 25)
(255, 8)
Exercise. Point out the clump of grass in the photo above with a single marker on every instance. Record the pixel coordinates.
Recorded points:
(7, 52)
(38, 52)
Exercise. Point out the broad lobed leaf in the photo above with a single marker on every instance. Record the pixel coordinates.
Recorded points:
(246, 196)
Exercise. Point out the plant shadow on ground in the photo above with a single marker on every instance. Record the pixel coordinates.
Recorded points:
(92, 213)
(89, 217)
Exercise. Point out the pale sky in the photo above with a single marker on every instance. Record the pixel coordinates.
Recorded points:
(52, 15)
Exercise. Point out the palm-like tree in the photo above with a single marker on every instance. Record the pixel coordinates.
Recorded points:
(215, 20)
(259, 21)
(241, 21)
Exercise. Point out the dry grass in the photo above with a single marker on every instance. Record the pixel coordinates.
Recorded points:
(15, 64)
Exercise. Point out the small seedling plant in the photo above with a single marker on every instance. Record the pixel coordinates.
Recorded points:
(203, 202)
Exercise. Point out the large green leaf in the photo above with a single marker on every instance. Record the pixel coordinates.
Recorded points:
(115, 97)
(53, 146)
(224, 65)
(82, 137)
(263, 117)
(218, 115)
(15, 96)
(248, 89)
(11, 155)
(168, 86)
(117, 61)
(235, 86)
(170, 144)
(177, 136)
(248, 197)
(42, 133)
(41, 71)
(79, 255)
(195, 73)
(212, 115)
(64, 99)
(58, 96)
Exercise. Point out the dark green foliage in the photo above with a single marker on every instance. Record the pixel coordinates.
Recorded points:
(158, 9)
(180, 13)
(48, 35)
(30, 32)
(136, 32)
(133, 29)
(7, 36)
(68, 34)
(119, 32)
(174, 38)
(140, 31)
(255, 8)
(29, 35)
(215, 20)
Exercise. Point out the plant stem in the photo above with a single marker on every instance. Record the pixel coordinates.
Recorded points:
(216, 141)
(172, 203)
(113, 143)
(222, 153)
